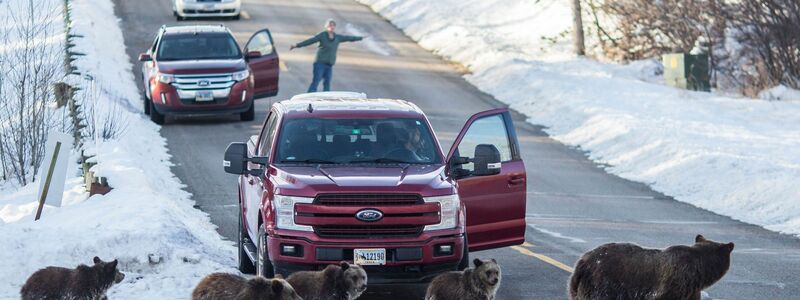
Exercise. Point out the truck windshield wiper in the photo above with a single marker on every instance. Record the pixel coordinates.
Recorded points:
(310, 161)
(382, 160)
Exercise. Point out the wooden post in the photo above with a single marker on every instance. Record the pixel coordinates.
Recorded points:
(577, 28)
(50, 170)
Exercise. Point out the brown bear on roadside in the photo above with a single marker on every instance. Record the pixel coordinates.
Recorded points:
(480, 283)
(627, 271)
(224, 286)
(342, 282)
(81, 283)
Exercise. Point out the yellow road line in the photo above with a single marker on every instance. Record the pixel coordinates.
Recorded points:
(543, 258)
(283, 66)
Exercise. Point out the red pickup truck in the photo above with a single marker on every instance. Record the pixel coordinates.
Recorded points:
(200, 70)
(336, 176)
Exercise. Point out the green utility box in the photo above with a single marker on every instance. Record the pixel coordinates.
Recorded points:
(687, 71)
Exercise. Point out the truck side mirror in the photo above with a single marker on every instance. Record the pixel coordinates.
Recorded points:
(486, 161)
(235, 161)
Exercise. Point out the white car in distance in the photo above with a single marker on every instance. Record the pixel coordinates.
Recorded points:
(183, 9)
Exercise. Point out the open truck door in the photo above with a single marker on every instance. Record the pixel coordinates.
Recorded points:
(262, 57)
(485, 161)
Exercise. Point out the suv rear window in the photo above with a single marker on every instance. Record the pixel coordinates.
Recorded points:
(356, 141)
(198, 46)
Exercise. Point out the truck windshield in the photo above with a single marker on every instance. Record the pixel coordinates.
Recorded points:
(198, 46)
(356, 141)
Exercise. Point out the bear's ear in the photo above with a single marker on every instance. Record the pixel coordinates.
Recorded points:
(477, 262)
(344, 265)
(729, 247)
(97, 260)
(699, 238)
(494, 261)
(277, 286)
(112, 265)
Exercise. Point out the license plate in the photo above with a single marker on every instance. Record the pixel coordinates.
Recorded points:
(369, 257)
(204, 96)
(210, 7)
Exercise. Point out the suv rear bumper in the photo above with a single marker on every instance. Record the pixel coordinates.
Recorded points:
(406, 262)
(208, 9)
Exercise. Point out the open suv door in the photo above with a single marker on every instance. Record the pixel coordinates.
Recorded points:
(485, 161)
(264, 63)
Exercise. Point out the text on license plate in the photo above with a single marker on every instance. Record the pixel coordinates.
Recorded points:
(204, 96)
(367, 257)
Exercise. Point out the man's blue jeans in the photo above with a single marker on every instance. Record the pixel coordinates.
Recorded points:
(322, 72)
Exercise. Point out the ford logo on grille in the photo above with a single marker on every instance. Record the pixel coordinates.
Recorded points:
(369, 215)
(203, 83)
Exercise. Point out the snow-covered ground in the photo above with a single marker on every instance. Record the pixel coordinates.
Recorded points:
(147, 213)
(734, 156)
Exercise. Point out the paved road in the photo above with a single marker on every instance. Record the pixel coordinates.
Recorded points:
(573, 204)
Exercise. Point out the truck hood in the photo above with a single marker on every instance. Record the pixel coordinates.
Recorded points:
(309, 181)
(202, 66)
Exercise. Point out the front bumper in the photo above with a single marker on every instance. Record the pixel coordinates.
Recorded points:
(169, 99)
(208, 9)
(407, 261)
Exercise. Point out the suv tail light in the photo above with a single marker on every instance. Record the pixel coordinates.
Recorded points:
(284, 212)
(448, 211)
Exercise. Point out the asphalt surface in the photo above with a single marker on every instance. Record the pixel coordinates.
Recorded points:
(573, 204)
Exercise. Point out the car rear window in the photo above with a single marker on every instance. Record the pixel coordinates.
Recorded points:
(352, 141)
(198, 47)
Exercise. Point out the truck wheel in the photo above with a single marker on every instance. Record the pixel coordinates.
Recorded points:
(156, 116)
(246, 266)
(250, 114)
(264, 265)
(464, 263)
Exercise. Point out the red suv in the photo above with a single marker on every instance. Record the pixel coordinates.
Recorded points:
(336, 176)
(199, 70)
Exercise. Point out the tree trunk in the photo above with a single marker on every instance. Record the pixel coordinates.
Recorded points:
(577, 28)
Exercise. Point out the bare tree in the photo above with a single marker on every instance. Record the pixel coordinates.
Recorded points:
(31, 65)
(577, 28)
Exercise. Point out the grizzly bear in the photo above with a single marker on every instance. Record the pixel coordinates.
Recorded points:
(342, 282)
(480, 283)
(627, 271)
(81, 283)
(224, 286)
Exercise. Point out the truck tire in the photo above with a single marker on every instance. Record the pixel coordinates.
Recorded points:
(464, 263)
(156, 116)
(250, 114)
(264, 265)
(246, 265)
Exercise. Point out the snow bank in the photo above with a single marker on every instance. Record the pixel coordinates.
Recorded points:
(737, 157)
(146, 214)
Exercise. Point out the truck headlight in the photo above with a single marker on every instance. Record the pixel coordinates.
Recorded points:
(448, 211)
(241, 75)
(166, 78)
(284, 212)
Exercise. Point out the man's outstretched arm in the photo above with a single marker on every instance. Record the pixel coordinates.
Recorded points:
(312, 40)
(351, 38)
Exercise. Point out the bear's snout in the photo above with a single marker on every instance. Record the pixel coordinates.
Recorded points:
(119, 277)
(362, 288)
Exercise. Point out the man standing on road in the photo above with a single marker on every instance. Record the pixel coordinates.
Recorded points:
(326, 54)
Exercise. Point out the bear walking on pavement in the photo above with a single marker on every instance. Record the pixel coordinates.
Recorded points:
(627, 271)
(342, 282)
(480, 283)
(81, 283)
(224, 286)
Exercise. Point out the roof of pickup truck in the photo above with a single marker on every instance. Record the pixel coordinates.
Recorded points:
(195, 28)
(345, 106)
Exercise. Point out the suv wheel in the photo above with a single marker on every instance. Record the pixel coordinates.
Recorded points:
(464, 263)
(237, 17)
(250, 114)
(145, 102)
(246, 266)
(156, 116)
(263, 265)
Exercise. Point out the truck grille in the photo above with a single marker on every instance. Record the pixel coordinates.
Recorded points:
(367, 199)
(367, 231)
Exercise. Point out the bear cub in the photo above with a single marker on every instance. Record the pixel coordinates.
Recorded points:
(224, 286)
(480, 283)
(342, 282)
(81, 283)
(627, 271)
